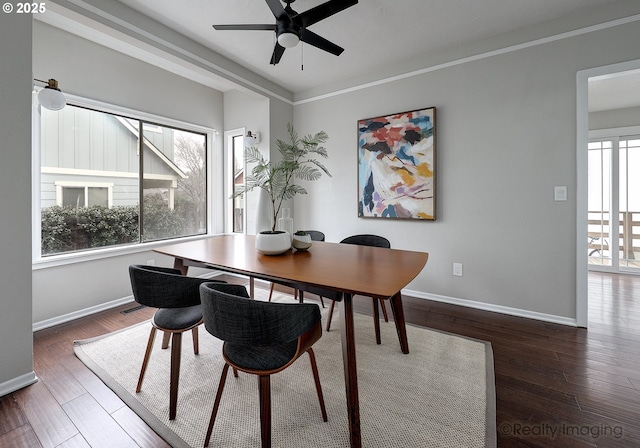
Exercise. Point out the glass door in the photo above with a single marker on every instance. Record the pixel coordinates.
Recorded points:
(614, 191)
(629, 203)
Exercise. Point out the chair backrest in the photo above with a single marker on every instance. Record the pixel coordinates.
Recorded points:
(367, 240)
(160, 287)
(231, 316)
(315, 235)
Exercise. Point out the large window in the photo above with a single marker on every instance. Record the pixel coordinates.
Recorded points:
(98, 168)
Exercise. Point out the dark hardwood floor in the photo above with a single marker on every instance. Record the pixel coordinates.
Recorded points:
(556, 386)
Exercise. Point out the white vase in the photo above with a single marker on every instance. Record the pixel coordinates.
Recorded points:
(273, 243)
(301, 242)
(264, 213)
(286, 222)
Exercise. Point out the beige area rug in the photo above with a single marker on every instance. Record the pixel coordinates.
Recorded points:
(442, 394)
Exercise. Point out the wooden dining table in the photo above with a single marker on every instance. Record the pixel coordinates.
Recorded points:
(346, 268)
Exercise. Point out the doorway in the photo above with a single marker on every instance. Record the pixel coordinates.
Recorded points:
(601, 233)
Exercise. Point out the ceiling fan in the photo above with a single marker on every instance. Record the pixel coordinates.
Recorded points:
(292, 27)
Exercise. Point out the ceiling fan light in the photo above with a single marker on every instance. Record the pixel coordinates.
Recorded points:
(288, 39)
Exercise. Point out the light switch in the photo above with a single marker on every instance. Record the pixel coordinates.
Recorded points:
(560, 193)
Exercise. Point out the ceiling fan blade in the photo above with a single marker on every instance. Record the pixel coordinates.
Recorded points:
(278, 51)
(322, 11)
(245, 27)
(320, 42)
(276, 8)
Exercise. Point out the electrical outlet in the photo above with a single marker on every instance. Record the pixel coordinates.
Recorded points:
(457, 269)
(151, 262)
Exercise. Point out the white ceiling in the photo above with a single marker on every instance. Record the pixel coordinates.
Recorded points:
(376, 34)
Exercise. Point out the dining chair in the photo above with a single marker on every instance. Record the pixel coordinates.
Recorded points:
(260, 338)
(315, 235)
(362, 240)
(177, 298)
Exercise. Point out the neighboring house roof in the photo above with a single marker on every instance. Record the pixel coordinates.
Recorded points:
(153, 148)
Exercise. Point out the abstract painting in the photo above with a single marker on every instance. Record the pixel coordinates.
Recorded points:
(397, 164)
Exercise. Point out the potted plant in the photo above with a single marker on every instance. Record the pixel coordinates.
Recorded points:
(277, 180)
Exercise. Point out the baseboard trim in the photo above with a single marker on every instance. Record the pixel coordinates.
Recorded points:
(17, 383)
(94, 309)
(572, 322)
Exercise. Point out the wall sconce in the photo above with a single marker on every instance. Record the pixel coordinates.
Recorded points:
(51, 97)
(251, 139)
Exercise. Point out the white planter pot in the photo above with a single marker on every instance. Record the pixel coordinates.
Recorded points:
(273, 243)
(264, 213)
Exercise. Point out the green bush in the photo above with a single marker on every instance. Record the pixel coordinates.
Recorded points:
(66, 229)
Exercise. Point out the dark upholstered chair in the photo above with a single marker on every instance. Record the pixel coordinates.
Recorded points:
(362, 240)
(178, 300)
(316, 235)
(260, 338)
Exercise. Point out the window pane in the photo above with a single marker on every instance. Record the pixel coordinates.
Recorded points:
(81, 147)
(238, 181)
(98, 196)
(599, 195)
(629, 197)
(174, 184)
(73, 197)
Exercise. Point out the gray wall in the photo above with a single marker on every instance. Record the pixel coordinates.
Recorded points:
(89, 70)
(16, 359)
(506, 135)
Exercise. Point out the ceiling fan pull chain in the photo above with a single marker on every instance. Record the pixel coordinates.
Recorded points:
(302, 56)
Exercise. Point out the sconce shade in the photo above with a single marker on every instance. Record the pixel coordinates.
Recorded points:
(251, 139)
(51, 97)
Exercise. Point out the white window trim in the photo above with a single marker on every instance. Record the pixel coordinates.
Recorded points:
(215, 195)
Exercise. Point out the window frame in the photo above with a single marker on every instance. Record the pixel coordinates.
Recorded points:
(214, 194)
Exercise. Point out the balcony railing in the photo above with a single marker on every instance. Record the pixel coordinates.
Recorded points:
(599, 234)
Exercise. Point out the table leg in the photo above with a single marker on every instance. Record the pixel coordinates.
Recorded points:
(252, 287)
(350, 370)
(178, 263)
(398, 317)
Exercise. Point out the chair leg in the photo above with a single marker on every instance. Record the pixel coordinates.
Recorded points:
(376, 320)
(264, 387)
(145, 361)
(176, 344)
(165, 339)
(216, 403)
(333, 304)
(316, 379)
(384, 310)
(270, 292)
(322, 301)
(196, 345)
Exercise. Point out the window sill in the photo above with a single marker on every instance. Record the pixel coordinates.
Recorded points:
(108, 252)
